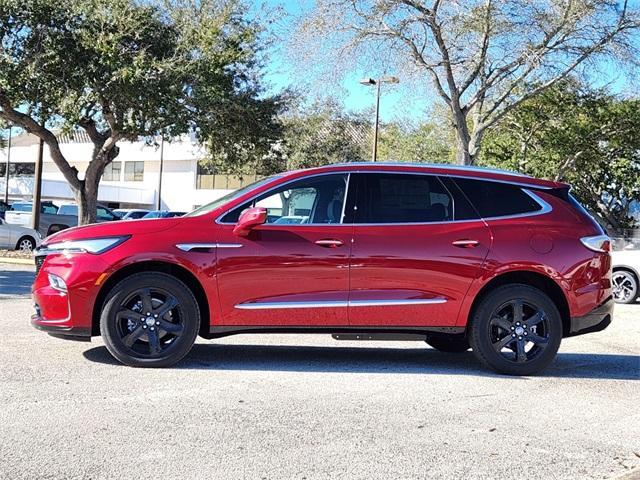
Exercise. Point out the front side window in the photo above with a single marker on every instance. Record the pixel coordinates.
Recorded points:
(315, 200)
(495, 199)
(402, 198)
(134, 171)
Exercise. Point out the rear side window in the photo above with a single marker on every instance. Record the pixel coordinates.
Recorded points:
(402, 198)
(495, 199)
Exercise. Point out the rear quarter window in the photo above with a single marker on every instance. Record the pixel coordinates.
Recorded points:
(495, 199)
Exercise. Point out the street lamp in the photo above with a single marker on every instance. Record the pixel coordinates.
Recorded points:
(370, 82)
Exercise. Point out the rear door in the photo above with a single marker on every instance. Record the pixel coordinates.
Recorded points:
(416, 249)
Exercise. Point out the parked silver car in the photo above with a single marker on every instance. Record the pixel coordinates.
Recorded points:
(16, 237)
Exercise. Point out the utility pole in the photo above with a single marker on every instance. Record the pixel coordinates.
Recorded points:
(371, 82)
(37, 189)
(159, 206)
(6, 183)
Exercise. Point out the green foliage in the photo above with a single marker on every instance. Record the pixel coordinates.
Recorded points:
(586, 138)
(323, 134)
(122, 69)
(425, 143)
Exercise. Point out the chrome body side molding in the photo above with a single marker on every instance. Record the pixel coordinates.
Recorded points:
(187, 247)
(338, 304)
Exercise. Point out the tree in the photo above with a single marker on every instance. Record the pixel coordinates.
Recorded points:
(426, 142)
(324, 133)
(125, 69)
(483, 57)
(586, 138)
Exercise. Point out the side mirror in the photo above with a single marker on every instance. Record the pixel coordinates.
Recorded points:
(250, 218)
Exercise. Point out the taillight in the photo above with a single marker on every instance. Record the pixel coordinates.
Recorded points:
(598, 243)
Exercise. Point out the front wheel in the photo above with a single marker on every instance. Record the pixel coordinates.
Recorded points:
(516, 330)
(625, 286)
(150, 319)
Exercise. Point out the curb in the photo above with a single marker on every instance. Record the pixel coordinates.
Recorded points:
(17, 261)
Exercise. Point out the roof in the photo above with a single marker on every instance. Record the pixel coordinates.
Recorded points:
(441, 169)
(26, 139)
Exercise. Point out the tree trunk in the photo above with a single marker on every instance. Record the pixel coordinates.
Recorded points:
(87, 200)
(463, 156)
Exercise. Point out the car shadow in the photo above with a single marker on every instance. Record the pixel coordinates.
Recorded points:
(337, 359)
(15, 283)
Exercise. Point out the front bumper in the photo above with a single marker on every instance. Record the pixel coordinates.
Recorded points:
(596, 320)
(66, 314)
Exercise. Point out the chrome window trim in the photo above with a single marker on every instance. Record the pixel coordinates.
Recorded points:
(339, 304)
(187, 247)
(545, 207)
(345, 173)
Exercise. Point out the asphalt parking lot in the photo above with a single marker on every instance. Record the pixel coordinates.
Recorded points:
(309, 407)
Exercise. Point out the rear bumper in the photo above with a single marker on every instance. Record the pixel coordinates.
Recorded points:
(596, 320)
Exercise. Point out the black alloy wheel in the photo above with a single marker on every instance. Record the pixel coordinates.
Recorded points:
(516, 330)
(150, 319)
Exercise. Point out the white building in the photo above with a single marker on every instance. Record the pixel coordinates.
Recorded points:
(131, 180)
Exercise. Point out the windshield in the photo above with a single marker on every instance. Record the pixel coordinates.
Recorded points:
(209, 207)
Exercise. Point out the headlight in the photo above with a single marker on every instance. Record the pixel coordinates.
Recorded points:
(92, 245)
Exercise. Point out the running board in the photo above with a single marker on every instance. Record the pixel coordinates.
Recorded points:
(416, 337)
(364, 332)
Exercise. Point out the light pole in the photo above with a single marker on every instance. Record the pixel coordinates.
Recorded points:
(6, 184)
(159, 204)
(371, 82)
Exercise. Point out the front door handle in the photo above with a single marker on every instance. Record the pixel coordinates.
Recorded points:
(329, 243)
(465, 243)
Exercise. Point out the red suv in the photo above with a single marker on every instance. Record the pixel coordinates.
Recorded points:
(462, 258)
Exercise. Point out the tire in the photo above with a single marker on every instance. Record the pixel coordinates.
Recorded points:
(448, 343)
(625, 286)
(26, 244)
(516, 330)
(159, 339)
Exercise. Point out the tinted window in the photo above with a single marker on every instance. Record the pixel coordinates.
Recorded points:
(104, 214)
(68, 210)
(402, 198)
(494, 199)
(310, 200)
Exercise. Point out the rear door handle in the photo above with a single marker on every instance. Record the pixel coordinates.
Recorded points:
(329, 243)
(465, 243)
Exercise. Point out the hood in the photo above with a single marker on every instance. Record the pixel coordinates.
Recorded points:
(114, 229)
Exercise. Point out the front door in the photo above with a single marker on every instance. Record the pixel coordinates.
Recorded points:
(294, 269)
(416, 249)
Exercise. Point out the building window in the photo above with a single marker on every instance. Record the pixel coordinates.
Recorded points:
(133, 171)
(207, 179)
(112, 172)
(205, 176)
(18, 169)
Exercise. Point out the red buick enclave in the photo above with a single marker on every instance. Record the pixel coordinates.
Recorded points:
(461, 258)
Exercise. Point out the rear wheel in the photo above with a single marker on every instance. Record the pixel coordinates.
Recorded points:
(26, 244)
(150, 320)
(625, 286)
(448, 343)
(516, 330)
